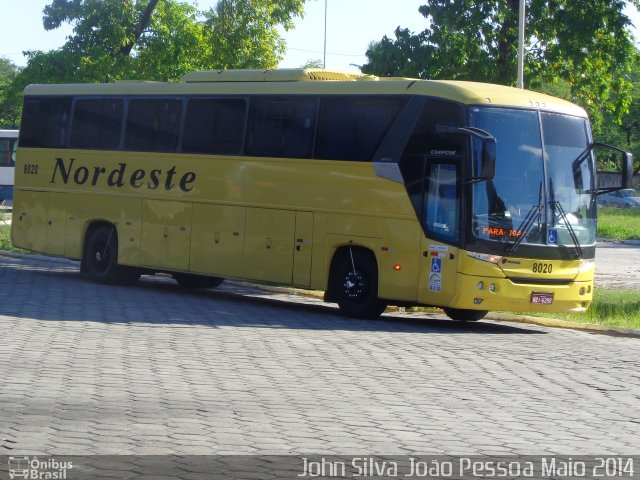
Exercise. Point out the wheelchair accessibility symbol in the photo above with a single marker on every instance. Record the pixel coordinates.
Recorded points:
(552, 237)
(436, 265)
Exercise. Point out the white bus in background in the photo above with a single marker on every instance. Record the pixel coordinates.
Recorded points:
(8, 145)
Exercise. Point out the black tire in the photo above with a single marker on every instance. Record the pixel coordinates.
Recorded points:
(101, 259)
(357, 292)
(462, 315)
(187, 280)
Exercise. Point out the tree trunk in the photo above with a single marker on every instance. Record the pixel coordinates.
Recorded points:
(507, 39)
(140, 28)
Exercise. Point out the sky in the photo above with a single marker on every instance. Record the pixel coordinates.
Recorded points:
(351, 26)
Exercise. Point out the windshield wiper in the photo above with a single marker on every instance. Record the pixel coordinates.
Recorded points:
(565, 220)
(527, 223)
(556, 206)
(525, 227)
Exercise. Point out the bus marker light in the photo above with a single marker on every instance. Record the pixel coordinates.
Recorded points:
(397, 267)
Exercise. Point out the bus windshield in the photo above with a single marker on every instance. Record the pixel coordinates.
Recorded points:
(542, 194)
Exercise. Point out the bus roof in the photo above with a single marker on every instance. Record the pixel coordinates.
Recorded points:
(317, 81)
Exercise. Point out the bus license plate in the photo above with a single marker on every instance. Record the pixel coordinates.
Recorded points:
(542, 298)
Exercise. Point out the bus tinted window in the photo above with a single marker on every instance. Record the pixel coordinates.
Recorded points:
(153, 125)
(45, 122)
(351, 128)
(214, 126)
(281, 127)
(8, 152)
(425, 139)
(96, 124)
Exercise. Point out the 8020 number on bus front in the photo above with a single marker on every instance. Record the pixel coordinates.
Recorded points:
(542, 268)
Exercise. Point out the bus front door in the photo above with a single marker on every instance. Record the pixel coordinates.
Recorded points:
(441, 221)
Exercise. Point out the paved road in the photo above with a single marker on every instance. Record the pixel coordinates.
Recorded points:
(92, 369)
(617, 266)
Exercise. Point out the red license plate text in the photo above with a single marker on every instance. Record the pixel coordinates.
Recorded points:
(542, 298)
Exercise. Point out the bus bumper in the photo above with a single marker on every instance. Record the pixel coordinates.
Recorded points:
(501, 294)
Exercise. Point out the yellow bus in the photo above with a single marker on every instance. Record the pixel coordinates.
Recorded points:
(466, 196)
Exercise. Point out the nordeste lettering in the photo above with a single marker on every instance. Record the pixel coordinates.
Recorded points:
(67, 171)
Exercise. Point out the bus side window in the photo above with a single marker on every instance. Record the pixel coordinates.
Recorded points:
(96, 124)
(351, 128)
(442, 207)
(153, 125)
(45, 122)
(5, 144)
(214, 126)
(12, 152)
(281, 127)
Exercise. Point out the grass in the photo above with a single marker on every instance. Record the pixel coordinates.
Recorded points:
(619, 224)
(609, 308)
(5, 240)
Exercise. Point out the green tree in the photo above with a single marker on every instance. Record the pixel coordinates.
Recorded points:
(626, 133)
(586, 44)
(159, 40)
(156, 40)
(244, 33)
(9, 105)
(315, 63)
(116, 39)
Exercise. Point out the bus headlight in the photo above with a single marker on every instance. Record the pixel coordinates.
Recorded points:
(586, 266)
(485, 257)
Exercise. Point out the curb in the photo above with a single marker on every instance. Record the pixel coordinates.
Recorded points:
(495, 316)
(556, 323)
(634, 243)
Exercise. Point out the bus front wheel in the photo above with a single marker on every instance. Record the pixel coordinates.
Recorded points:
(461, 315)
(101, 258)
(355, 285)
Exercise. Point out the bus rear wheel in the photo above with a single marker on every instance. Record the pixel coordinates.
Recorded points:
(355, 286)
(189, 280)
(101, 259)
(462, 315)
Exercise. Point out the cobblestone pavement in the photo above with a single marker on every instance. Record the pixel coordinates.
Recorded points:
(93, 369)
(618, 266)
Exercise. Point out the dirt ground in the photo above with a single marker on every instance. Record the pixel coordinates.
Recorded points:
(617, 266)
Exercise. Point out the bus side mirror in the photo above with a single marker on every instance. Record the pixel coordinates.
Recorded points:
(626, 169)
(488, 159)
(487, 149)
